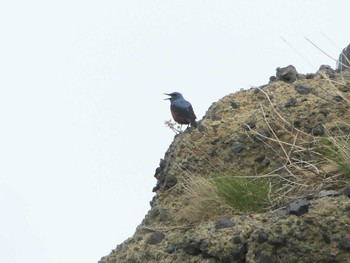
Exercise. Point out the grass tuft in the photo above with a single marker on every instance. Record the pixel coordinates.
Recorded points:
(221, 195)
(203, 201)
(244, 194)
(337, 149)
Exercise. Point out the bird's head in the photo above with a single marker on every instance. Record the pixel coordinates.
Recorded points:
(173, 96)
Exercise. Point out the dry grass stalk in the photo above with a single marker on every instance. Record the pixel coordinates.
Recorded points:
(303, 176)
(203, 201)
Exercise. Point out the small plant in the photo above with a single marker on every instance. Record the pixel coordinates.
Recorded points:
(337, 149)
(244, 194)
(221, 195)
(203, 201)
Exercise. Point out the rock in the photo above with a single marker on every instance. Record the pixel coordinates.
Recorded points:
(344, 59)
(250, 124)
(338, 98)
(290, 102)
(318, 130)
(344, 244)
(326, 238)
(237, 148)
(239, 253)
(299, 207)
(223, 223)
(155, 238)
(192, 250)
(259, 159)
(346, 191)
(278, 241)
(264, 132)
(261, 257)
(309, 76)
(287, 74)
(201, 128)
(262, 135)
(171, 249)
(170, 181)
(260, 236)
(320, 235)
(326, 70)
(237, 240)
(302, 90)
(234, 105)
(265, 162)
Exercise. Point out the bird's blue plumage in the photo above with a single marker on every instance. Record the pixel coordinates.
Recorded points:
(181, 109)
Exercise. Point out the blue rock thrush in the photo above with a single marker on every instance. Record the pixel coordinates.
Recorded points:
(181, 109)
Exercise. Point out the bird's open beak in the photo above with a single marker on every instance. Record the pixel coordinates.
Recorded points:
(167, 95)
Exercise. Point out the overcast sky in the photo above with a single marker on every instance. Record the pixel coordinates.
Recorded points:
(82, 111)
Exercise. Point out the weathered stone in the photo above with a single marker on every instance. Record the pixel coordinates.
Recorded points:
(326, 238)
(237, 240)
(299, 207)
(318, 130)
(192, 250)
(171, 249)
(259, 159)
(287, 74)
(265, 162)
(234, 105)
(260, 236)
(310, 76)
(290, 102)
(239, 254)
(344, 59)
(170, 181)
(223, 223)
(237, 148)
(338, 98)
(262, 257)
(264, 132)
(326, 70)
(302, 90)
(250, 124)
(346, 191)
(155, 238)
(278, 241)
(344, 244)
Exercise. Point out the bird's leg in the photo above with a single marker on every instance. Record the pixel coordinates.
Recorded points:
(179, 128)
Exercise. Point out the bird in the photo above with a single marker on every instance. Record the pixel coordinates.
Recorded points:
(181, 109)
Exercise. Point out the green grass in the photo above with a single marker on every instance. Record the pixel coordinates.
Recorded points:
(337, 150)
(244, 194)
(222, 195)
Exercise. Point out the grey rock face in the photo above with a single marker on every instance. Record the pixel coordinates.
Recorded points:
(287, 74)
(299, 207)
(344, 59)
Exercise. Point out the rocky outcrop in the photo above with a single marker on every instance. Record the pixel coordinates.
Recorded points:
(344, 59)
(270, 129)
(321, 235)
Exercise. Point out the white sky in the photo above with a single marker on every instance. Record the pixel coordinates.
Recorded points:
(82, 111)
